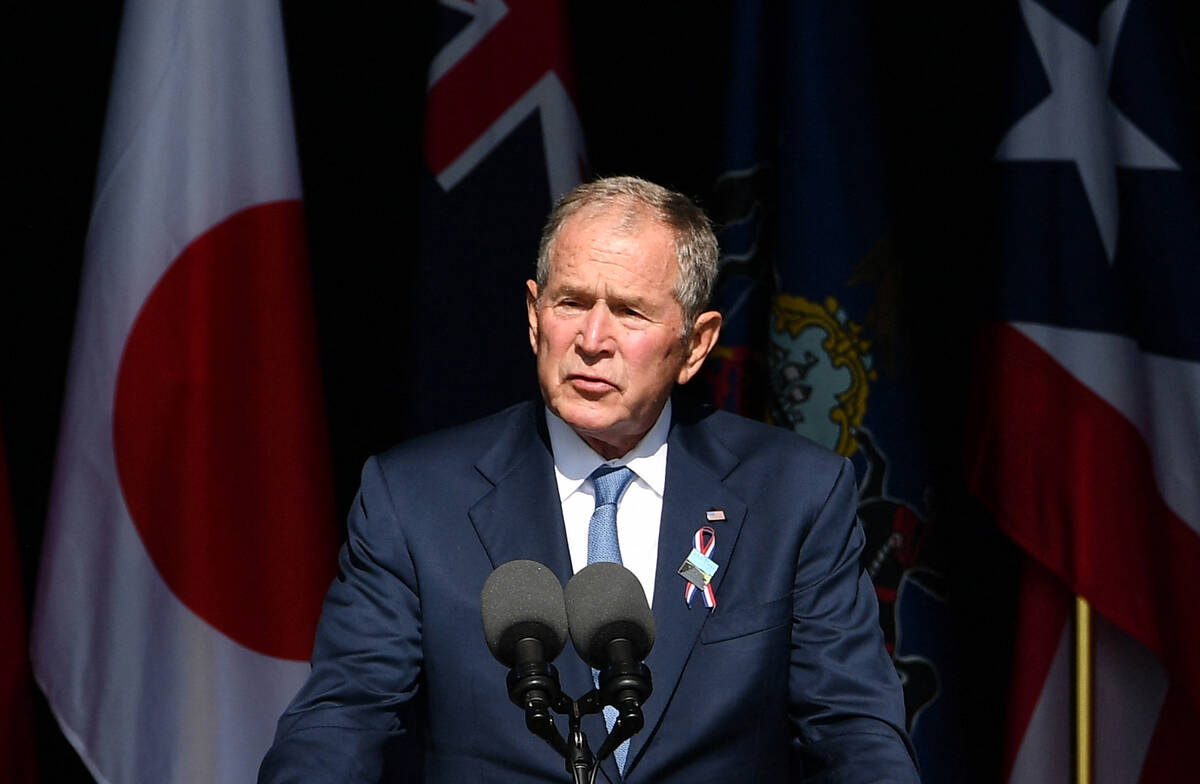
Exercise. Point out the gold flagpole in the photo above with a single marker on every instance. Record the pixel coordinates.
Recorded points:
(1083, 691)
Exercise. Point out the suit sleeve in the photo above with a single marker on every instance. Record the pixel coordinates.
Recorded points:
(352, 717)
(847, 706)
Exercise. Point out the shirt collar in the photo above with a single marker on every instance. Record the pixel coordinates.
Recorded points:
(574, 460)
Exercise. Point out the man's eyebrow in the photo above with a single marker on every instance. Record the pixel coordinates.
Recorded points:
(632, 299)
(566, 290)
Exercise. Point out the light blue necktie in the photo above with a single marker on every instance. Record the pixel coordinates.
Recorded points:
(608, 482)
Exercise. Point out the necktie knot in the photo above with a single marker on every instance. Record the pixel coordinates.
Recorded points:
(608, 482)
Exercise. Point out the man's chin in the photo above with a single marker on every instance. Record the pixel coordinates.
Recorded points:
(605, 429)
(585, 419)
(586, 416)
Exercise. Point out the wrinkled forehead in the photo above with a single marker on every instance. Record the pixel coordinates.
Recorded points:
(624, 218)
(629, 238)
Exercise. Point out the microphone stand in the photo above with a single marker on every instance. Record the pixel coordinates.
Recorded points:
(581, 763)
(534, 686)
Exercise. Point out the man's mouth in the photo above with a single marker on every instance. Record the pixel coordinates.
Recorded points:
(592, 384)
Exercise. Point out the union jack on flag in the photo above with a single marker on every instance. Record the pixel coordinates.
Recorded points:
(503, 140)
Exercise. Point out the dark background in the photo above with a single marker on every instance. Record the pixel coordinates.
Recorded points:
(650, 80)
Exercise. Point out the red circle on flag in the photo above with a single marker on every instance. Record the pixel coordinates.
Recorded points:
(219, 433)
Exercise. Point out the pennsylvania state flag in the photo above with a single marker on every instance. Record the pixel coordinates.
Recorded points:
(810, 292)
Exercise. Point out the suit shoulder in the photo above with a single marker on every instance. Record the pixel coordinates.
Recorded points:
(460, 444)
(751, 439)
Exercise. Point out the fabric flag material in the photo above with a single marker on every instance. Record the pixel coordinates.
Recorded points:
(503, 141)
(1085, 440)
(191, 535)
(808, 292)
(16, 708)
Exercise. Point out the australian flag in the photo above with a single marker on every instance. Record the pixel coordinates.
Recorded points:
(1085, 439)
(810, 292)
(503, 141)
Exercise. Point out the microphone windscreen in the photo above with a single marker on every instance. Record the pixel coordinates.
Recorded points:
(605, 602)
(523, 599)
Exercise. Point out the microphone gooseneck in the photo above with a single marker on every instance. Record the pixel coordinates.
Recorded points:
(613, 630)
(527, 616)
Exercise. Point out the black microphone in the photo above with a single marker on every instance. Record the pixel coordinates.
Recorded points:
(612, 629)
(525, 625)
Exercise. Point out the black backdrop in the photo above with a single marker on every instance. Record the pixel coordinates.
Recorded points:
(649, 85)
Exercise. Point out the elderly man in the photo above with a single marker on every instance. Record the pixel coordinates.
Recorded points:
(775, 672)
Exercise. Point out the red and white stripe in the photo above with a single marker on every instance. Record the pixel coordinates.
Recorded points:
(1087, 452)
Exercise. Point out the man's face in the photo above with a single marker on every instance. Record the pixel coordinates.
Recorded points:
(607, 328)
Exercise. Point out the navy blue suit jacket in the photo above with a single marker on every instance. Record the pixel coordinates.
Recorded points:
(787, 680)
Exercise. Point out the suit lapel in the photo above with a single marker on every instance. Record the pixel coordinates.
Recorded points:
(521, 517)
(696, 468)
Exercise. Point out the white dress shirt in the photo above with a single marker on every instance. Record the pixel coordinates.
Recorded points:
(639, 510)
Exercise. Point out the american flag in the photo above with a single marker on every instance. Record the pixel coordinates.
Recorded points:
(1085, 440)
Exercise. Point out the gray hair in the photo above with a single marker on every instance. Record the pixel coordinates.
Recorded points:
(696, 249)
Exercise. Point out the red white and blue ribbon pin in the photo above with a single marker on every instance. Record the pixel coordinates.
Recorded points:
(698, 569)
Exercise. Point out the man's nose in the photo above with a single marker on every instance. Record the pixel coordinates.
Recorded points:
(596, 331)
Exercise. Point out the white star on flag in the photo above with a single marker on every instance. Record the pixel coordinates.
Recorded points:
(1078, 121)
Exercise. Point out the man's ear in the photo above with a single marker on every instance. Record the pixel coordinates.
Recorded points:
(531, 295)
(704, 336)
